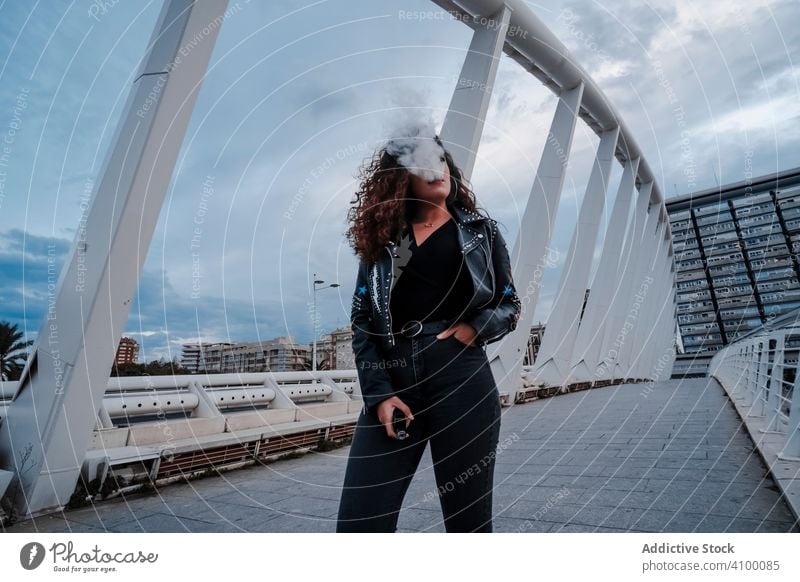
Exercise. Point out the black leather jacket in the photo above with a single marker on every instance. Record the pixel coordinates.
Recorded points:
(493, 311)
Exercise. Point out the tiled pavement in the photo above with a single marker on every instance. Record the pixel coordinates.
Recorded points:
(671, 457)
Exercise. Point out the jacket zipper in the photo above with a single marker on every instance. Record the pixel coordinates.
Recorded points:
(494, 290)
(491, 295)
(491, 274)
(388, 294)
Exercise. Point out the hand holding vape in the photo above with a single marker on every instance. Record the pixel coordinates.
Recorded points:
(399, 424)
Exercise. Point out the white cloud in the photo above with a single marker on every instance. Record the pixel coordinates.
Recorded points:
(692, 17)
(612, 69)
(778, 115)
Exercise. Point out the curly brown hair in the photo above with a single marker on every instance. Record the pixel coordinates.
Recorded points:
(379, 212)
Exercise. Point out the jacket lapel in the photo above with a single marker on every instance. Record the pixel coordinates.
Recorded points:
(469, 236)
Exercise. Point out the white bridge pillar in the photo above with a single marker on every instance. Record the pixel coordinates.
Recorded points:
(667, 307)
(619, 327)
(663, 314)
(654, 306)
(640, 343)
(553, 358)
(586, 354)
(530, 251)
(45, 436)
(653, 332)
(466, 116)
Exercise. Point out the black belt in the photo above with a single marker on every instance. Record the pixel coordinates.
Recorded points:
(415, 327)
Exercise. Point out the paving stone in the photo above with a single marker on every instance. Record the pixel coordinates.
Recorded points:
(167, 523)
(293, 523)
(251, 498)
(621, 498)
(421, 520)
(559, 512)
(241, 518)
(306, 506)
(513, 525)
(577, 470)
(55, 526)
(581, 528)
(510, 493)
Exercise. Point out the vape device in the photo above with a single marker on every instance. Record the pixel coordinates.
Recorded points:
(399, 424)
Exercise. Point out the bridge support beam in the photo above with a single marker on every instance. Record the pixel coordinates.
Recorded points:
(616, 334)
(553, 359)
(530, 250)
(650, 342)
(463, 124)
(654, 328)
(670, 328)
(639, 340)
(586, 354)
(46, 434)
(662, 312)
(665, 354)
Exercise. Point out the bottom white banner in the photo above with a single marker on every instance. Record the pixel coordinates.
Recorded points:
(595, 556)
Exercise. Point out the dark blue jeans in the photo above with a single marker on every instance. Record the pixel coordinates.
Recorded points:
(451, 391)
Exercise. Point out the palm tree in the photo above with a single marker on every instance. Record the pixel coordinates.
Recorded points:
(12, 356)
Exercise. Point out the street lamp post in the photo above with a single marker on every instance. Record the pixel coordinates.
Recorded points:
(314, 350)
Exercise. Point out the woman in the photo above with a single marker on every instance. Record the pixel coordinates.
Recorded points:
(434, 287)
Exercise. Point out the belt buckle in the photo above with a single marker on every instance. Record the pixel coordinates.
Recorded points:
(405, 329)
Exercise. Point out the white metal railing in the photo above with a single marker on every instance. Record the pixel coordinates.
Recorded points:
(761, 372)
(135, 398)
(132, 397)
(7, 390)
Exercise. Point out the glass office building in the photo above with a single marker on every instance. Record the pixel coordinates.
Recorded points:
(736, 253)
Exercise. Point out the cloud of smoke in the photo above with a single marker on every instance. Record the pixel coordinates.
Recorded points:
(411, 142)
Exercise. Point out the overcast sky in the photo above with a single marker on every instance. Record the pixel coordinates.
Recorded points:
(300, 93)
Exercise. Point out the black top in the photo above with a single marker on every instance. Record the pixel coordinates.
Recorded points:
(432, 280)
